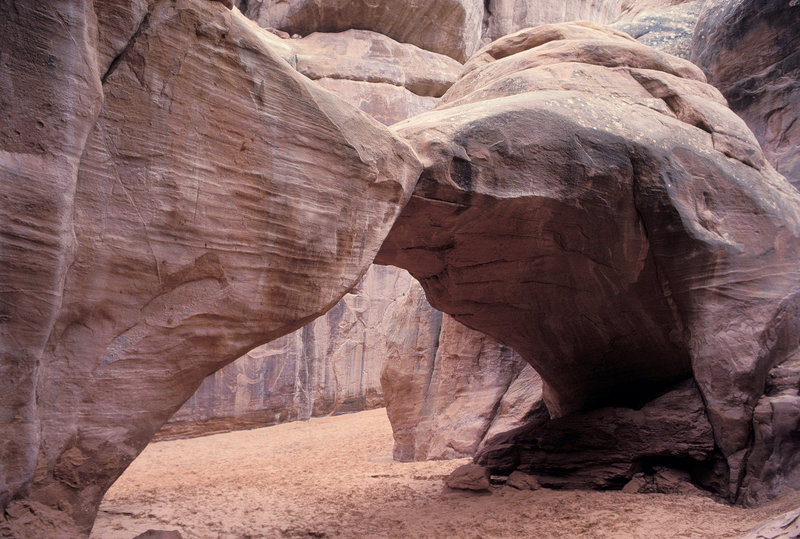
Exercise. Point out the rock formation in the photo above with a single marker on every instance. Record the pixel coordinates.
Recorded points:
(182, 189)
(502, 17)
(332, 365)
(604, 448)
(572, 173)
(466, 389)
(176, 193)
(449, 27)
(751, 51)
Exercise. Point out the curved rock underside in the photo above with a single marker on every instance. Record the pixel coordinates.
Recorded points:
(751, 50)
(593, 204)
(184, 188)
(332, 365)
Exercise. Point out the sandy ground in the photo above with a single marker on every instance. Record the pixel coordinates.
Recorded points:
(334, 477)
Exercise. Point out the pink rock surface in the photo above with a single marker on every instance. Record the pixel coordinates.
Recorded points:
(185, 201)
(750, 50)
(449, 27)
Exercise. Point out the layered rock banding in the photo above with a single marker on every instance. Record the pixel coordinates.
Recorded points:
(185, 189)
(572, 173)
(751, 51)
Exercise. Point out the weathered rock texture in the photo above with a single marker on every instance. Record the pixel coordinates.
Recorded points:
(604, 448)
(503, 17)
(173, 196)
(391, 81)
(785, 526)
(449, 27)
(332, 365)
(467, 389)
(593, 204)
(751, 51)
(666, 28)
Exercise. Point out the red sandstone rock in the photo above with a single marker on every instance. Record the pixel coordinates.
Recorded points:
(604, 448)
(751, 51)
(194, 215)
(522, 481)
(332, 365)
(504, 17)
(602, 212)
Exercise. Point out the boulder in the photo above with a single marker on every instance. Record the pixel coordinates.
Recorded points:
(469, 477)
(594, 205)
(751, 52)
(166, 209)
(449, 27)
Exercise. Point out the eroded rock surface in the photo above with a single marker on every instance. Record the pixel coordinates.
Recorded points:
(751, 51)
(605, 447)
(391, 81)
(593, 204)
(332, 365)
(469, 388)
(185, 196)
(504, 17)
(449, 27)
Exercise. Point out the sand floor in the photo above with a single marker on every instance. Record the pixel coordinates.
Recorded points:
(334, 477)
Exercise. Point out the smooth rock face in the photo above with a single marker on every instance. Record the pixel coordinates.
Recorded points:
(449, 27)
(473, 388)
(751, 51)
(332, 365)
(593, 204)
(604, 448)
(196, 215)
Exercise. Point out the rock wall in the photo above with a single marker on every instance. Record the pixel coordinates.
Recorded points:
(332, 365)
(463, 391)
(449, 27)
(751, 52)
